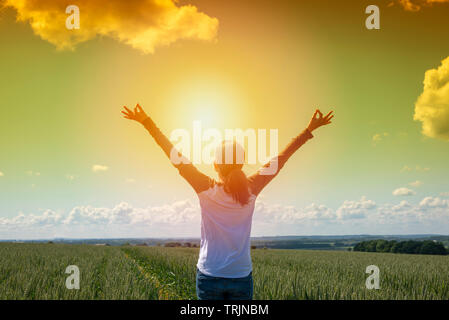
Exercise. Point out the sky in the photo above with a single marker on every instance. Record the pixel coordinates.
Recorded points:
(71, 166)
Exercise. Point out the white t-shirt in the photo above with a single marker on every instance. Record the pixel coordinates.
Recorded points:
(225, 234)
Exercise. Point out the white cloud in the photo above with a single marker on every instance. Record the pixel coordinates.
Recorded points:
(432, 106)
(99, 168)
(355, 209)
(176, 219)
(431, 202)
(416, 183)
(275, 213)
(47, 218)
(444, 194)
(403, 205)
(403, 192)
(182, 218)
(125, 214)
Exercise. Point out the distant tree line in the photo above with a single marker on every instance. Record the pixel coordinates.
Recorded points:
(410, 246)
(292, 244)
(187, 245)
(179, 244)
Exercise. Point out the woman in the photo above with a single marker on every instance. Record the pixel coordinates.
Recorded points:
(224, 269)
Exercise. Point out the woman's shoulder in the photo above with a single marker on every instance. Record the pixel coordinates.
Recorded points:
(217, 193)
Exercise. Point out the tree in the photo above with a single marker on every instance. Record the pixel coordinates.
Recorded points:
(382, 246)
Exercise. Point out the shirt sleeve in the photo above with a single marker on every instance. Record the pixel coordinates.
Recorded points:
(267, 172)
(199, 181)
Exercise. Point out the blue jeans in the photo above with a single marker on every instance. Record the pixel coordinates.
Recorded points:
(215, 288)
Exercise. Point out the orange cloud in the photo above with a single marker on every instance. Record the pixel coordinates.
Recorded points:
(416, 5)
(142, 24)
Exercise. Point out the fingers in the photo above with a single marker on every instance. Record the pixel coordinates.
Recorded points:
(127, 115)
(327, 115)
(319, 112)
(129, 111)
(139, 108)
(316, 112)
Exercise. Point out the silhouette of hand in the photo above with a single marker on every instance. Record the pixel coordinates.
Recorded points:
(319, 121)
(138, 115)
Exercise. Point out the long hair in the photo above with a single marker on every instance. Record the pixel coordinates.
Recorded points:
(234, 179)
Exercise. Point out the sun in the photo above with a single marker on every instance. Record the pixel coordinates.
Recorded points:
(213, 102)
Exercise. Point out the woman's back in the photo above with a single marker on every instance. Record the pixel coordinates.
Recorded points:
(225, 234)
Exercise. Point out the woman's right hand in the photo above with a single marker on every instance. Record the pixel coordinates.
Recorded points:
(138, 115)
(319, 121)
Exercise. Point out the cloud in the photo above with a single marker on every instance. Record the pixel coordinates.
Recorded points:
(32, 173)
(2, 174)
(431, 202)
(355, 209)
(266, 213)
(422, 169)
(144, 25)
(70, 176)
(416, 183)
(99, 167)
(120, 220)
(182, 218)
(444, 194)
(416, 5)
(379, 137)
(403, 192)
(432, 106)
(417, 169)
(124, 214)
(47, 218)
(403, 205)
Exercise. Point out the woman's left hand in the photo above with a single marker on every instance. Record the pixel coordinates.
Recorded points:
(318, 120)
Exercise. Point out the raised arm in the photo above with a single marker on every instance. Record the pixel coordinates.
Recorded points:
(199, 181)
(264, 175)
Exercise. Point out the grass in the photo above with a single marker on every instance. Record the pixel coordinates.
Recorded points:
(37, 271)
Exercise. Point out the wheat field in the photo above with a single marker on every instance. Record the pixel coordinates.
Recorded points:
(37, 271)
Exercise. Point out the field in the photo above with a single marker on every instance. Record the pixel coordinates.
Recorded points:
(37, 271)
